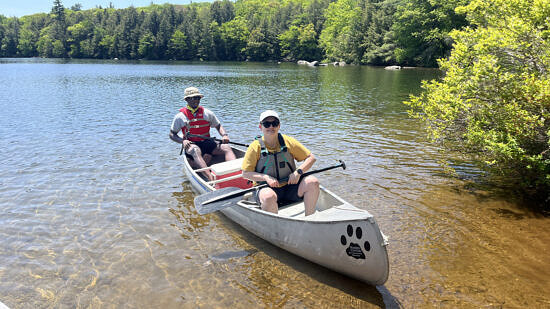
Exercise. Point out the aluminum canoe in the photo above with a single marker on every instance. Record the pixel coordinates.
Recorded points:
(338, 235)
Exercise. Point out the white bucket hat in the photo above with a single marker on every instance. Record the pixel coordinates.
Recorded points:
(269, 113)
(192, 92)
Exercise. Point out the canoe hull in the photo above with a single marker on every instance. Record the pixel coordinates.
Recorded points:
(343, 238)
(334, 244)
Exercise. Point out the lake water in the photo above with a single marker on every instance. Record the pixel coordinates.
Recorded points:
(96, 210)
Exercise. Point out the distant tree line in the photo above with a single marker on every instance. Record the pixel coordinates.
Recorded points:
(376, 32)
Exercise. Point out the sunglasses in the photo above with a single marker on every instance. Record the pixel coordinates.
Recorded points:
(267, 124)
(194, 98)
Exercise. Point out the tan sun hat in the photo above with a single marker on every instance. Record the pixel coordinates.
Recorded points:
(269, 113)
(192, 92)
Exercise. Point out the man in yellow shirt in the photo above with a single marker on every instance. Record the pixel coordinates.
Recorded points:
(271, 159)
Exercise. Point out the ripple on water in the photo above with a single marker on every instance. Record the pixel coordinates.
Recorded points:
(96, 210)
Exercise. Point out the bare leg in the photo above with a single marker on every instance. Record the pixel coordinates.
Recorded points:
(195, 152)
(268, 199)
(207, 158)
(309, 189)
(229, 154)
(226, 151)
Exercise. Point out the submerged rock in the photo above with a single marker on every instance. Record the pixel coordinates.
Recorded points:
(227, 255)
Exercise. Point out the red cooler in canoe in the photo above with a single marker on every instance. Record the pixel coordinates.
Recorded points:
(231, 172)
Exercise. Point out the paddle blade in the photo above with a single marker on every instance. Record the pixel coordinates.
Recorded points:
(217, 200)
(343, 164)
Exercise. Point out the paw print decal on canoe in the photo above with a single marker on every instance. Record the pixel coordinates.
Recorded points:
(355, 250)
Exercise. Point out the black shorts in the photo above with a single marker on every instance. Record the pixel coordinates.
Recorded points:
(285, 195)
(206, 146)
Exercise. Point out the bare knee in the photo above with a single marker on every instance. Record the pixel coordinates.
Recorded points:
(228, 152)
(268, 196)
(222, 149)
(225, 147)
(268, 199)
(194, 151)
(310, 183)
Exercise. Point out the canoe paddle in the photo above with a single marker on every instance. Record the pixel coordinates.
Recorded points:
(217, 139)
(230, 142)
(227, 197)
(212, 138)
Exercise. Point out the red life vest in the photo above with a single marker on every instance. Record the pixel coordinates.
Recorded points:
(197, 124)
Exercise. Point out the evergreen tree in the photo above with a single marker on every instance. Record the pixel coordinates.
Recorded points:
(59, 30)
(10, 39)
(422, 30)
(371, 34)
(412, 32)
(222, 11)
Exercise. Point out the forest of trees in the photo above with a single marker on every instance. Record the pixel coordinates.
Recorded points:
(492, 104)
(375, 32)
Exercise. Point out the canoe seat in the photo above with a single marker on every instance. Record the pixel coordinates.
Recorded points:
(293, 210)
(341, 212)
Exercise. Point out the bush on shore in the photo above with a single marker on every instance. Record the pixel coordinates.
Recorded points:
(494, 101)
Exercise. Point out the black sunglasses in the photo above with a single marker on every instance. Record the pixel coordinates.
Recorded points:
(267, 124)
(195, 98)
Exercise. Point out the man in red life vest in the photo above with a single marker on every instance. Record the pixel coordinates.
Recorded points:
(195, 122)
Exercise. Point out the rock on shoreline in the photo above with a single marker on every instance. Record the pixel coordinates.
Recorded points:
(317, 63)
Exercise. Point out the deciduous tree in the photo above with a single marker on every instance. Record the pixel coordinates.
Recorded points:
(494, 100)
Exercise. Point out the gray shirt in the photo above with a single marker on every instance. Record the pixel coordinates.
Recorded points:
(180, 120)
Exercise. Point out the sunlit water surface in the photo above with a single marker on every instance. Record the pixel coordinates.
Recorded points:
(96, 210)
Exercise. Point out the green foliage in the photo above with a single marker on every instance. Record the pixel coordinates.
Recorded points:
(44, 45)
(336, 35)
(222, 11)
(234, 34)
(422, 29)
(27, 43)
(494, 101)
(299, 43)
(359, 31)
(255, 12)
(372, 37)
(59, 30)
(58, 49)
(379, 32)
(259, 47)
(178, 45)
(79, 40)
(29, 32)
(10, 38)
(146, 47)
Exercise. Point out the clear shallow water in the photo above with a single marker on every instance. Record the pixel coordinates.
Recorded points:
(96, 210)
